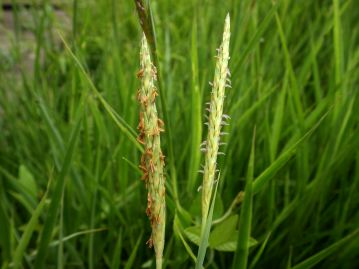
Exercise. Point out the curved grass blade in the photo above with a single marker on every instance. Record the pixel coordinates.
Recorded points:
(74, 235)
(267, 174)
(30, 227)
(120, 122)
(178, 230)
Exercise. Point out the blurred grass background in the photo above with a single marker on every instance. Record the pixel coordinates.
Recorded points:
(295, 68)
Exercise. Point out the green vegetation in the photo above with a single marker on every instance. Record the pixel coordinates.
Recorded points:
(286, 195)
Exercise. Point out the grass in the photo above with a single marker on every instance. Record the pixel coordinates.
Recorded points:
(71, 120)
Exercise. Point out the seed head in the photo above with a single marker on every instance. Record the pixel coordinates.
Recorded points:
(215, 119)
(152, 160)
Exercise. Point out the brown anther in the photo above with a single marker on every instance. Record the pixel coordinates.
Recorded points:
(152, 166)
(144, 101)
(148, 211)
(141, 138)
(160, 123)
(141, 124)
(145, 177)
(143, 168)
(138, 95)
(163, 192)
(153, 95)
(162, 157)
(154, 72)
(140, 73)
(157, 219)
(156, 131)
(149, 205)
(143, 160)
(150, 242)
(149, 152)
(153, 220)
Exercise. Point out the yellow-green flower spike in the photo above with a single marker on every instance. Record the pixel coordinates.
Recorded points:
(216, 119)
(152, 161)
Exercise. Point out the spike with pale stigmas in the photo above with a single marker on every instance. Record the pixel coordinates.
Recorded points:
(215, 119)
(152, 160)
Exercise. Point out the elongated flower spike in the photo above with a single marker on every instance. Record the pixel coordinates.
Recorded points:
(152, 160)
(216, 119)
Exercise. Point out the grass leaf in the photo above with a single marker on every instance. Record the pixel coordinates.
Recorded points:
(245, 220)
(56, 198)
(29, 230)
(321, 255)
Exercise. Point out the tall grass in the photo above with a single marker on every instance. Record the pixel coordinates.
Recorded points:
(71, 120)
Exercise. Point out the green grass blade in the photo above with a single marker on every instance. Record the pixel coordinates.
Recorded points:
(254, 40)
(245, 221)
(321, 255)
(337, 40)
(178, 230)
(196, 115)
(51, 125)
(51, 217)
(260, 251)
(116, 258)
(5, 224)
(132, 257)
(74, 235)
(205, 230)
(30, 228)
(267, 174)
(289, 66)
(120, 122)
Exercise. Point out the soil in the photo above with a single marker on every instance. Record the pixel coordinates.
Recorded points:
(18, 34)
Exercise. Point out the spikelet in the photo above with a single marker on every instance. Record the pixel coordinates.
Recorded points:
(216, 119)
(152, 160)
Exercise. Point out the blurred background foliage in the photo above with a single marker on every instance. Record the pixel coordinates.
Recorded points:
(295, 68)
